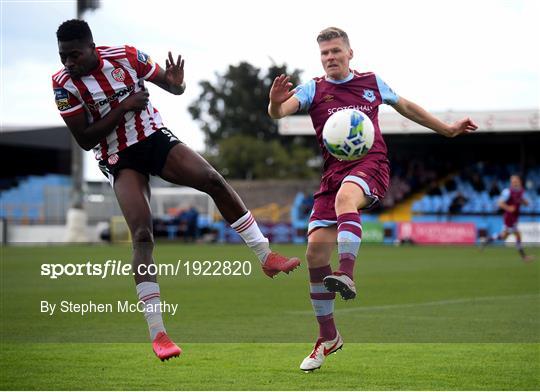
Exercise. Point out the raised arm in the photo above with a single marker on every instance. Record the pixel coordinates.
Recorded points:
(419, 115)
(172, 78)
(88, 136)
(282, 100)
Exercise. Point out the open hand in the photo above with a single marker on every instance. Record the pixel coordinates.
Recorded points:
(174, 72)
(281, 90)
(465, 125)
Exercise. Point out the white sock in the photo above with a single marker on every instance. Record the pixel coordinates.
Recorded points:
(248, 229)
(148, 292)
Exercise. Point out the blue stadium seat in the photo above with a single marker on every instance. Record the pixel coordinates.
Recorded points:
(34, 212)
(417, 206)
(468, 208)
(437, 204)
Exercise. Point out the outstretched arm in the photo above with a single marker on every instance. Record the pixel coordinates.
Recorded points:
(282, 100)
(172, 78)
(419, 115)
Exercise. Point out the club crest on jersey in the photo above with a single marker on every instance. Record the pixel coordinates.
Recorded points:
(113, 159)
(118, 74)
(369, 95)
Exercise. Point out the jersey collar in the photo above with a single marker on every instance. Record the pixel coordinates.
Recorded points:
(349, 77)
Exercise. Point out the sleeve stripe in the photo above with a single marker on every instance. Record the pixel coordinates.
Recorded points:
(64, 79)
(113, 50)
(152, 72)
(71, 110)
(60, 77)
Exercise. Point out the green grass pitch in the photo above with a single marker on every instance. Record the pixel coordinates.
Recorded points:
(426, 318)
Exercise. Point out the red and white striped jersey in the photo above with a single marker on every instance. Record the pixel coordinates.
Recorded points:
(120, 73)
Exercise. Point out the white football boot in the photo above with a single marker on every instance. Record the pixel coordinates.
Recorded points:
(340, 283)
(322, 349)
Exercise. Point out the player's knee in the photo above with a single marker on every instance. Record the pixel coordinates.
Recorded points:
(143, 235)
(344, 198)
(315, 258)
(215, 183)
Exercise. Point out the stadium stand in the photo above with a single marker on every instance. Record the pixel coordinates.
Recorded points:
(25, 202)
(480, 190)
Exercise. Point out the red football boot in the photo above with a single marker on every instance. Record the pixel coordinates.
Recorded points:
(164, 347)
(275, 263)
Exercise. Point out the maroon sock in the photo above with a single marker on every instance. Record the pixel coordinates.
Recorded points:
(323, 302)
(349, 238)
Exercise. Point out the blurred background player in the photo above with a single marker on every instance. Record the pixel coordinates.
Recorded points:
(346, 186)
(101, 97)
(510, 201)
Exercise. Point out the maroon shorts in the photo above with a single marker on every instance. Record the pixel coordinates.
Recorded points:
(371, 173)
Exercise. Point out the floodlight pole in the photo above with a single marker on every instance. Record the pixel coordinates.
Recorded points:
(77, 194)
(76, 176)
(77, 218)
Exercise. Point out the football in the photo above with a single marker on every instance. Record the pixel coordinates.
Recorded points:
(348, 134)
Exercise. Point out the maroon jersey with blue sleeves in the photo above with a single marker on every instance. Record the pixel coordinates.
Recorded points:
(323, 97)
(512, 197)
(361, 93)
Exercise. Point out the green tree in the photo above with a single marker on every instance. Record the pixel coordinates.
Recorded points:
(236, 103)
(251, 158)
(243, 140)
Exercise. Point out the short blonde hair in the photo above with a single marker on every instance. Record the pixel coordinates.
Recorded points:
(331, 33)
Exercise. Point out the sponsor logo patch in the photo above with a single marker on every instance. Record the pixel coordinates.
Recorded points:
(111, 98)
(362, 108)
(61, 96)
(142, 57)
(169, 134)
(118, 74)
(328, 98)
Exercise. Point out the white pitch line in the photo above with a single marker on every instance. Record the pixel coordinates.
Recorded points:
(432, 303)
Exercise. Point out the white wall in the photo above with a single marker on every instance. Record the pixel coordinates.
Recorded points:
(32, 234)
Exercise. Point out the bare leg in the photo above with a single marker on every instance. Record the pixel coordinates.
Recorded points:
(520, 249)
(185, 167)
(133, 195)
